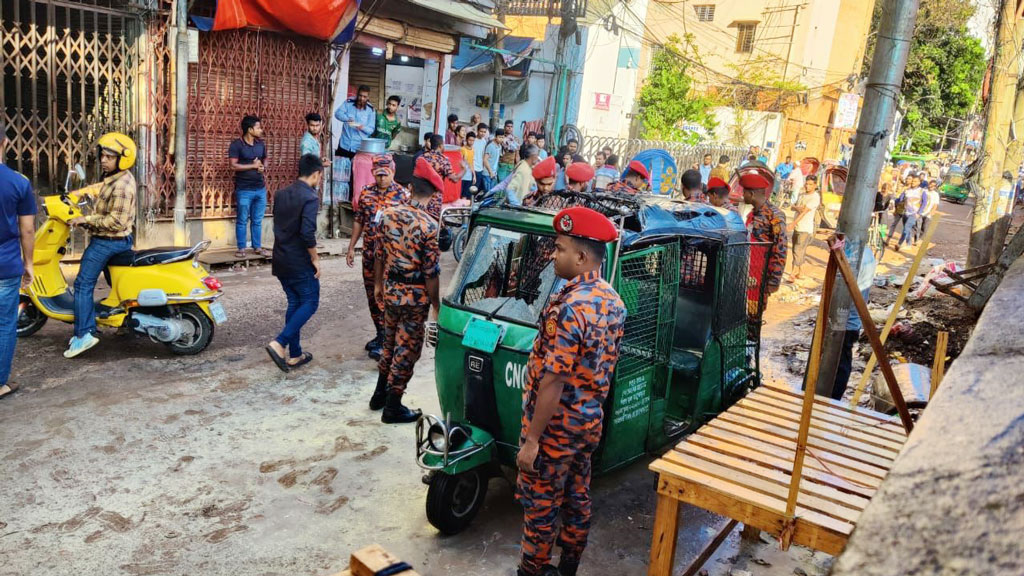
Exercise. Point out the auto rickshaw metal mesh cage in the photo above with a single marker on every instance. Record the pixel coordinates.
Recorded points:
(647, 284)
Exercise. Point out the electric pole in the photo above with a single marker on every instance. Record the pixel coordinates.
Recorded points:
(180, 121)
(885, 80)
(997, 132)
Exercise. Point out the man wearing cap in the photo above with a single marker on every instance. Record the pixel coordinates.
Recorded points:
(633, 182)
(693, 189)
(578, 175)
(766, 223)
(374, 199)
(544, 175)
(568, 378)
(443, 167)
(718, 194)
(406, 285)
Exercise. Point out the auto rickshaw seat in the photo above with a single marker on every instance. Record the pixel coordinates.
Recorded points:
(686, 361)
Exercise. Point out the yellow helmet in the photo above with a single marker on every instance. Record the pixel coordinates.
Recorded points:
(121, 145)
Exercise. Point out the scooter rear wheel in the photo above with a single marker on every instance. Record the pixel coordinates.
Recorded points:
(202, 332)
(459, 243)
(454, 500)
(30, 318)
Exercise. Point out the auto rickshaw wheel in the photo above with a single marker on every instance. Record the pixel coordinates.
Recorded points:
(454, 500)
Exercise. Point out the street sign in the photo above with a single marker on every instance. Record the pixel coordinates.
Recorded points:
(846, 112)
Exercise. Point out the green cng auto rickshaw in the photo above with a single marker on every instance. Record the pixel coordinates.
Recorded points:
(954, 185)
(690, 347)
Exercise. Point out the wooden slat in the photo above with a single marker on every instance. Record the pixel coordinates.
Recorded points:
(790, 446)
(839, 445)
(756, 410)
(868, 417)
(757, 449)
(766, 487)
(757, 510)
(854, 420)
(813, 484)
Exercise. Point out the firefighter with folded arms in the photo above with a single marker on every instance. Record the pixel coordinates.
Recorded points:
(569, 374)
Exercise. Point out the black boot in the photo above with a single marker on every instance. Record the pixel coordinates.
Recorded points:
(376, 342)
(547, 570)
(396, 413)
(380, 393)
(566, 568)
(378, 345)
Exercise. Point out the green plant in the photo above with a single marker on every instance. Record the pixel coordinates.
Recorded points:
(667, 100)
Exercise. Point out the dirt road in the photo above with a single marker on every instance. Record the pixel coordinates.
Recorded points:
(133, 461)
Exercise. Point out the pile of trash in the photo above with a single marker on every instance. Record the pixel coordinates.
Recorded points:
(921, 285)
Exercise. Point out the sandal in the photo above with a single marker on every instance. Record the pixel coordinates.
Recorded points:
(281, 363)
(240, 254)
(302, 360)
(8, 388)
(265, 252)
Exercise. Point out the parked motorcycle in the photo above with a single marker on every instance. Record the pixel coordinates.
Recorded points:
(164, 293)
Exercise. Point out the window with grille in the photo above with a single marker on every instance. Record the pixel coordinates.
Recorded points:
(705, 12)
(745, 38)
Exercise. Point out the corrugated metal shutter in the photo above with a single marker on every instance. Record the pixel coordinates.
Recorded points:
(365, 68)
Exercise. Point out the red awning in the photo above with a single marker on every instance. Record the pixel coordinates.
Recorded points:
(323, 19)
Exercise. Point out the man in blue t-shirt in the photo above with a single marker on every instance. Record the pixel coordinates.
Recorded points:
(247, 156)
(17, 241)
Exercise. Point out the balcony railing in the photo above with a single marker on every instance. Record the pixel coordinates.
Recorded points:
(551, 8)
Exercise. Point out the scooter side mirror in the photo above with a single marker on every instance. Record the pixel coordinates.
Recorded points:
(79, 172)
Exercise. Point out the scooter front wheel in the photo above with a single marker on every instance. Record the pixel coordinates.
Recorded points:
(30, 318)
(201, 335)
(454, 500)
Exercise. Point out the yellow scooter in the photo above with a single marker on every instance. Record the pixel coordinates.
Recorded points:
(164, 293)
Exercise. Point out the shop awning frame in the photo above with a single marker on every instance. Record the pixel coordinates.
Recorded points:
(461, 11)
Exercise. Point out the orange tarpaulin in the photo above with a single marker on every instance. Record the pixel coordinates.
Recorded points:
(323, 19)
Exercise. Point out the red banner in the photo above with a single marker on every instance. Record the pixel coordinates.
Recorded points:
(323, 19)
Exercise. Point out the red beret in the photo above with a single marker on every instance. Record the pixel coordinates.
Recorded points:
(639, 168)
(545, 169)
(580, 172)
(585, 223)
(754, 181)
(424, 170)
(717, 182)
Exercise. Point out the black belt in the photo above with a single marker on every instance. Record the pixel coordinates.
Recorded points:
(111, 237)
(400, 278)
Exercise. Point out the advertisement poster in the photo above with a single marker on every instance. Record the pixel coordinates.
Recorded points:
(846, 113)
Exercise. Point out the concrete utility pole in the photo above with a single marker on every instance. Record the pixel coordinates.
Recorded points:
(180, 121)
(885, 80)
(997, 131)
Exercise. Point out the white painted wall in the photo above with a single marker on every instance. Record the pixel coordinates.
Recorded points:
(758, 128)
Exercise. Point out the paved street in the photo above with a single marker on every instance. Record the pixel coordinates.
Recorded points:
(133, 461)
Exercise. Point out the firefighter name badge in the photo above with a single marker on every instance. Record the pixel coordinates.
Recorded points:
(549, 327)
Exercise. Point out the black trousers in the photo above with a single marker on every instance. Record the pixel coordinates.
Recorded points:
(845, 364)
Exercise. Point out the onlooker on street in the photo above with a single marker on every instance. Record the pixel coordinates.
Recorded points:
(721, 171)
(388, 125)
(17, 241)
(705, 169)
(803, 222)
(509, 153)
(542, 144)
(522, 184)
(796, 181)
(468, 175)
(913, 198)
(248, 156)
(440, 163)
(483, 134)
(930, 205)
(359, 120)
(608, 173)
(296, 263)
(492, 158)
(460, 136)
(310, 143)
(599, 159)
(561, 182)
(783, 169)
(451, 136)
(693, 190)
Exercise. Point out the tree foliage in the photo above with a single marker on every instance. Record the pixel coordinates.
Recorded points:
(944, 71)
(667, 100)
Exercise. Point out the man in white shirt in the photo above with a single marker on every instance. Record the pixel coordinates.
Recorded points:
(796, 183)
(913, 198)
(803, 222)
(929, 206)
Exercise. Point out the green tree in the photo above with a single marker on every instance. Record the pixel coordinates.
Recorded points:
(667, 100)
(944, 71)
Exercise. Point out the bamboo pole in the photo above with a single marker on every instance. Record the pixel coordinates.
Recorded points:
(932, 225)
(939, 364)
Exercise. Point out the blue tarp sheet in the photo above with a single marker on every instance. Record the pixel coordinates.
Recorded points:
(469, 59)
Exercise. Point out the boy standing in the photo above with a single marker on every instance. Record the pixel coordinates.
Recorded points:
(247, 156)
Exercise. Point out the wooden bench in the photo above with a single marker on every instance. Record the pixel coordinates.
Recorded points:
(798, 466)
(371, 560)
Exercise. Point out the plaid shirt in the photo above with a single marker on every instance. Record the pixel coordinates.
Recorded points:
(113, 214)
(768, 224)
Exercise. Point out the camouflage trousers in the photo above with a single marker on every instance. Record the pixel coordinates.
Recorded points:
(559, 490)
(376, 314)
(403, 343)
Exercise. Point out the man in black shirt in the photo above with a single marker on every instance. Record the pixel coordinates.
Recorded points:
(247, 156)
(296, 263)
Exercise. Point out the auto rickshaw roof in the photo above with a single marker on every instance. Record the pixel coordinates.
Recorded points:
(647, 218)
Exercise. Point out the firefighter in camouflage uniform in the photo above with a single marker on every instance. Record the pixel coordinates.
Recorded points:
(373, 200)
(406, 285)
(568, 379)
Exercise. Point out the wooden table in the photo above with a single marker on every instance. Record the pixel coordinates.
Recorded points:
(740, 465)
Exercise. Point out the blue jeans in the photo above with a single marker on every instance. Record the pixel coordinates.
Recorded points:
(9, 289)
(252, 204)
(909, 223)
(303, 293)
(94, 260)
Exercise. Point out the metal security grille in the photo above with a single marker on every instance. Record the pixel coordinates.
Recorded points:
(67, 78)
(647, 283)
(278, 78)
(705, 12)
(683, 154)
(693, 267)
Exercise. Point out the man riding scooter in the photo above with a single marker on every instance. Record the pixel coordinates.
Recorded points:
(110, 226)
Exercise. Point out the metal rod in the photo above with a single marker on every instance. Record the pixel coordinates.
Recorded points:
(873, 131)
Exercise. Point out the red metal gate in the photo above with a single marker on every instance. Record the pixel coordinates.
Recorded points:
(278, 78)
